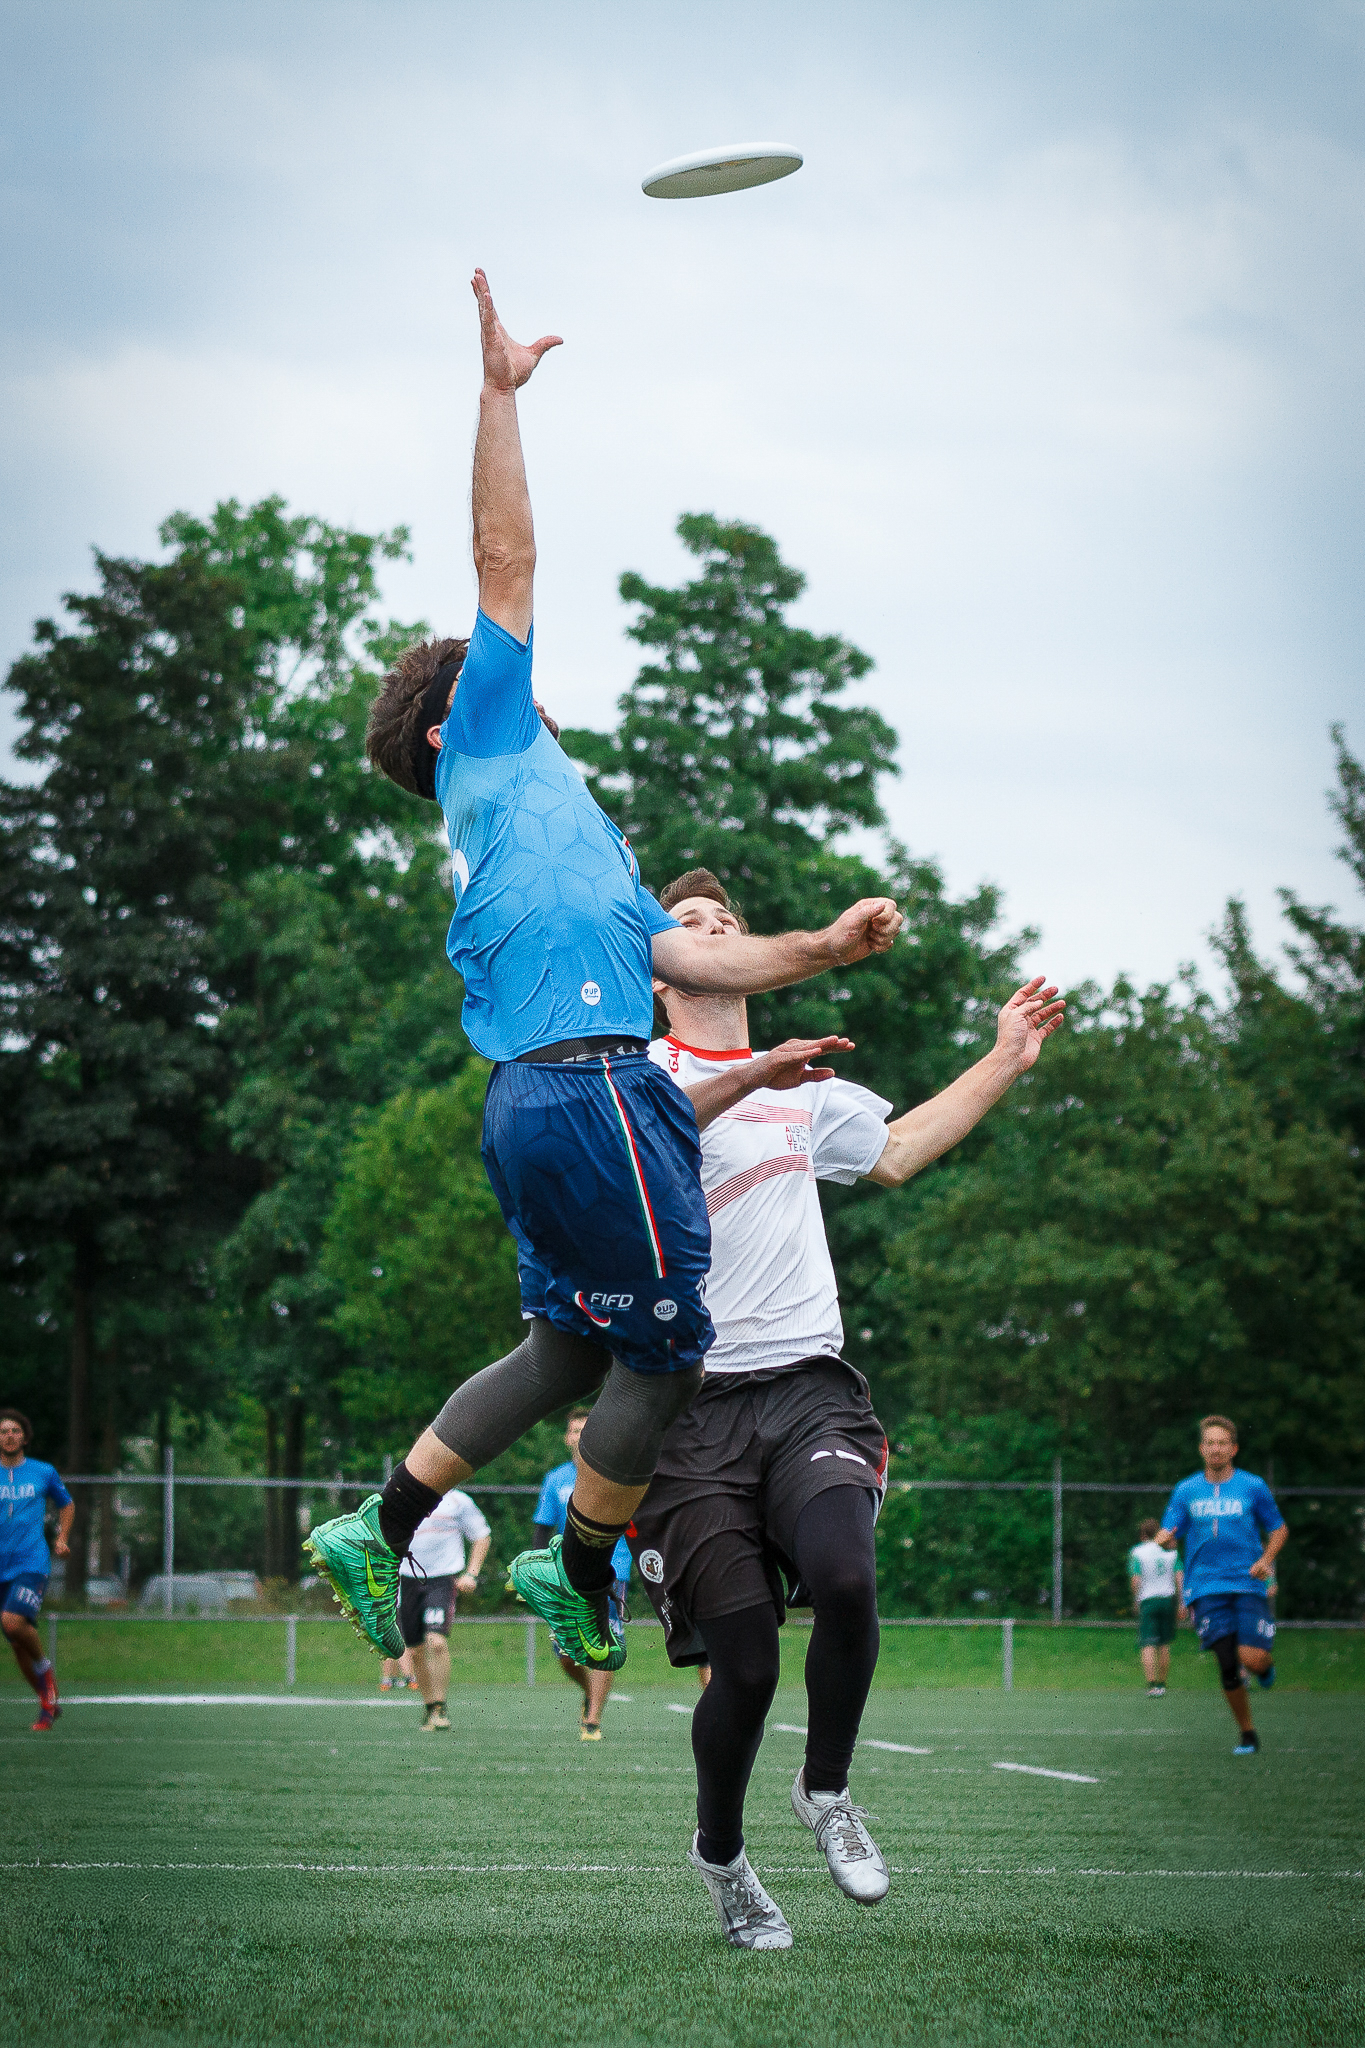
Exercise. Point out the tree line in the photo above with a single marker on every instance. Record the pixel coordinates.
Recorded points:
(243, 1206)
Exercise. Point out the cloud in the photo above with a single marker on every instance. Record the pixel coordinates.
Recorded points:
(1044, 370)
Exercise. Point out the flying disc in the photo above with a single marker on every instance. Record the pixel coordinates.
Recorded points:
(709, 171)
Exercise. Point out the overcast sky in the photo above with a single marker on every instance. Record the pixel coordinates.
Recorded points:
(1046, 369)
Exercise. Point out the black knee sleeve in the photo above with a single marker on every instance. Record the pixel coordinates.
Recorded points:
(621, 1437)
(1229, 1662)
(547, 1370)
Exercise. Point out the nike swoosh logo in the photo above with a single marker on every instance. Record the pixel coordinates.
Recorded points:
(376, 1590)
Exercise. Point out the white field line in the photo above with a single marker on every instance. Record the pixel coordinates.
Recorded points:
(218, 1699)
(676, 1707)
(900, 1748)
(787, 1728)
(1038, 1771)
(673, 1869)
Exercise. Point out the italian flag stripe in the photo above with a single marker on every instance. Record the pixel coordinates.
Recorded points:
(641, 1190)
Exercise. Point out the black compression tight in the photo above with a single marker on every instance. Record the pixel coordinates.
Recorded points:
(836, 1556)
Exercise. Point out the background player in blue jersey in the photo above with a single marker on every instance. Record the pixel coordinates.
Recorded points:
(552, 1510)
(591, 1150)
(26, 1487)
(1232, 1533)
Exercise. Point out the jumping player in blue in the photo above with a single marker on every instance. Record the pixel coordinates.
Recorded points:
(26, 1487)
(1232, 1532)
(591, 1149)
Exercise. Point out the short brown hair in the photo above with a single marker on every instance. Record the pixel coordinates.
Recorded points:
(579, 1414)
(700, 882)
(1220, 1422)
(1148, 1529)
(395, 713)
(18, 1415)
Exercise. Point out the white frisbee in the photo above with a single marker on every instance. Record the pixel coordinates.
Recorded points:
(709, 171)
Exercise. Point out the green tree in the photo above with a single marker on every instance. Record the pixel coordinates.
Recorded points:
(199, 728)
(423, 1267)
(735, 750)
(1135, 1245)
(113, 871)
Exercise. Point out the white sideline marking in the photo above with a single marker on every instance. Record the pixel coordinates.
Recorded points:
(675, 1708)
(622, 1699)
(659, 1870)
(217, 1699)
(900, 1748)
(1037, 1771)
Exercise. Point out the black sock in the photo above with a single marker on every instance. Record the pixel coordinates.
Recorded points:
(404, 1503)
(587, 1550)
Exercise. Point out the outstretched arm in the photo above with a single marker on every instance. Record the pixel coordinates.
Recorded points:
(504, 538)
(737, 964)
(925, 1133)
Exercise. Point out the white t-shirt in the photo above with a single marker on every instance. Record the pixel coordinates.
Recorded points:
(1154, 1569)
(439, 1545)
(771, 1288)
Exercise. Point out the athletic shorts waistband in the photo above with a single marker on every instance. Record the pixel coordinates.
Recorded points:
(566, 1050)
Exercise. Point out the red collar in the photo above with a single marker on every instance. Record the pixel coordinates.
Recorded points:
(698, 1052)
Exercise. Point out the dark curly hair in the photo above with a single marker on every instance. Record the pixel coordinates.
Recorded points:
(395, 714)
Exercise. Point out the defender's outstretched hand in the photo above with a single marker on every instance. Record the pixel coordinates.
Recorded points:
(869, 926)
(506, 363)
(788, 1064)
(1027, 1019)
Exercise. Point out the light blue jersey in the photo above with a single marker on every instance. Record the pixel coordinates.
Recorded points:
(1224, 1526)
(552, 928)
(552, 1511)
(25, 1490)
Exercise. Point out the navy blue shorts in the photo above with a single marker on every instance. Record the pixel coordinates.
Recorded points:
(23, 1594)
(1244, 1615)
(597, 1169)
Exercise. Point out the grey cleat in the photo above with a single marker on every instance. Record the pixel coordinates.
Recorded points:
(748, 1917)
(855, 1862)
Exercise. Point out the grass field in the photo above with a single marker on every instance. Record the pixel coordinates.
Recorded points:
(158, 1656)
(329, 1875)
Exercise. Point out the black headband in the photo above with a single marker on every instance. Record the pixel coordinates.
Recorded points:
(434, 699)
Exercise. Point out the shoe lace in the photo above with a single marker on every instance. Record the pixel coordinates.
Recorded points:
(844, 1822)
(744, 1900)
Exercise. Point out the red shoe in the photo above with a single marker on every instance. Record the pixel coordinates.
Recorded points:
(45, 1720)
(47, 1693)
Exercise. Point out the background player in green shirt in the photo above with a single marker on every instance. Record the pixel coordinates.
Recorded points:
(1158, 1602)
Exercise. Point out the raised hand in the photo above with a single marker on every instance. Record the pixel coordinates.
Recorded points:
(868, 926)
(787, 1065)
(1030, 1016)
(506, 363)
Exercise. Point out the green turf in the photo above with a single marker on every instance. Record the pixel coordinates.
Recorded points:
(205, 1656)
(1183, 1898)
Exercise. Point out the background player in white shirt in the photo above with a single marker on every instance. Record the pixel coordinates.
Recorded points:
(1158, 1602)
(768, 1486)
(431, 1576)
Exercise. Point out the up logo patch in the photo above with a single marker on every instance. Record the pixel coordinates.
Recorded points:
(591, 994)
(665, 1311)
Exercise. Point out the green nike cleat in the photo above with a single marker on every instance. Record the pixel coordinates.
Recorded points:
(581, 1629)
(363, 1574)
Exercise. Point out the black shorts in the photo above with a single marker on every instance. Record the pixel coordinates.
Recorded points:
(714, 1534)
(426, 1607)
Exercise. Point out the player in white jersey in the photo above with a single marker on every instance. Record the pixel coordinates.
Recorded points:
(768, 1486)
(435, 1571)
(1158, 1602)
